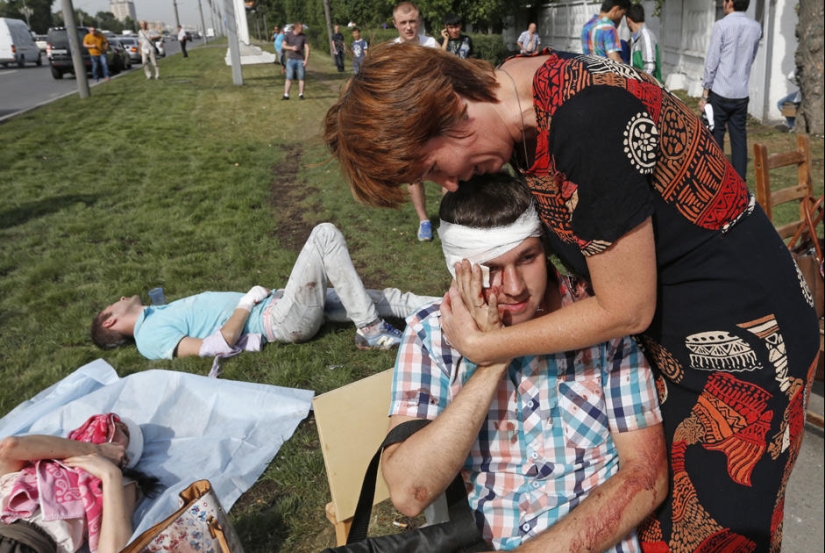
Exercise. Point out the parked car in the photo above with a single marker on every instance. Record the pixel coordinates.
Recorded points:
(132, 48)
(42, 42)
(161, 48)
(122, 60)
(60, 57)
(16, 43)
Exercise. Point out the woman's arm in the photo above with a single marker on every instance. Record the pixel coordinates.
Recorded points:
(118, 502)
(16, 451)
(624, 281)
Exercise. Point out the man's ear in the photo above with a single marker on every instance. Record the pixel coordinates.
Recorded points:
(110, 322)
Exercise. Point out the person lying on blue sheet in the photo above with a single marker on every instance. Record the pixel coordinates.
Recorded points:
(57, 494)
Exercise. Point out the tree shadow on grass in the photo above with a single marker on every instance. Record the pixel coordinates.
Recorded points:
(18, 215)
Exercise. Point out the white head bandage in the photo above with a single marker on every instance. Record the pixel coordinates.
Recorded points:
(135, 448)
(480, 245)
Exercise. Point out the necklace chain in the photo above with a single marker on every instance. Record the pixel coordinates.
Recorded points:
(521, 113)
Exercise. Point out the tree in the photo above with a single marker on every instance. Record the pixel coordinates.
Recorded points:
(40, 17)
(808, 58)
(107, 21)
(129, 24)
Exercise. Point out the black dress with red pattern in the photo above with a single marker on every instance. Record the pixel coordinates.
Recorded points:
(734, 338)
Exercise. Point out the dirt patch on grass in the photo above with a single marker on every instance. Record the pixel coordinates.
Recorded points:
(286, 194)
(260, 496)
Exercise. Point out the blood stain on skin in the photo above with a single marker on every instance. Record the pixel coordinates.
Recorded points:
(420, 493)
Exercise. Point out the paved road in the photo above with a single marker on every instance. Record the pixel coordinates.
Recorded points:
(31, 86)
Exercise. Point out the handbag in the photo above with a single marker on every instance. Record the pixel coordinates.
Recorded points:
(200, 525)
(458, 535)
(806, 249)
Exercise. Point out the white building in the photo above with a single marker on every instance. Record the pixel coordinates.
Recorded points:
(123, 9)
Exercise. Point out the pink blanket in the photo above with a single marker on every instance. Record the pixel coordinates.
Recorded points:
(62, 492)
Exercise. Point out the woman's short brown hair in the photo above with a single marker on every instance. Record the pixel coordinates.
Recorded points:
(403, 96)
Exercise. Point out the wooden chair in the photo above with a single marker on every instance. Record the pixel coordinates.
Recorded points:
(768, 198)
(352, 422)
(801, 192)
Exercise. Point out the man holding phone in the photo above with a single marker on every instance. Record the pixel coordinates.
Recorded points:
(453, 41)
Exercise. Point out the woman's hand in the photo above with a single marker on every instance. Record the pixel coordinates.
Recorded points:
(115, 453)
(469, 280)
(96, 465)
(466, 317)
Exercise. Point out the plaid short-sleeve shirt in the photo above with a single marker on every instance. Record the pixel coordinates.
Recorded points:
(546, 442)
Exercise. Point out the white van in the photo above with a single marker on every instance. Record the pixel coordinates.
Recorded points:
(17, 44)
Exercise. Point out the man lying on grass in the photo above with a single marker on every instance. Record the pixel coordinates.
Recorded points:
(225, 323)
(559, 452)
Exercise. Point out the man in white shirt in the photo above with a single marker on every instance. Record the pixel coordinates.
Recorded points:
(407, 19)
(148, 53)
(182, 41)
(529, 41)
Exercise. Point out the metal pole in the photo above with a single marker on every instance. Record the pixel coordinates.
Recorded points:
(203, 25)
(74, 47)
(177, 17)
(212, 15)
(231, 22)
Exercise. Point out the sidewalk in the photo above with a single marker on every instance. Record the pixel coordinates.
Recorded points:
(804, 529)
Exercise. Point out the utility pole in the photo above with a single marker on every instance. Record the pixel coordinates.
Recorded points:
(177, 17)
(203, 25)
(231, 23)
(74, 48)
(212, 15)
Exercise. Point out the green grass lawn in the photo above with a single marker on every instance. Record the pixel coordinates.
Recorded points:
(192, 183)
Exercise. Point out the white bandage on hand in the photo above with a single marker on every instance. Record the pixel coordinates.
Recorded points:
(255, 295)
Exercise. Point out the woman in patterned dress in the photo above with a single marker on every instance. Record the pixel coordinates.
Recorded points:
(641, 203)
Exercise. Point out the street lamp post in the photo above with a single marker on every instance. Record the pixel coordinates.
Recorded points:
(203, 25)
(177, 17)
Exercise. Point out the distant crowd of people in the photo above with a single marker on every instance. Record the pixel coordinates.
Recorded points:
(97, 44)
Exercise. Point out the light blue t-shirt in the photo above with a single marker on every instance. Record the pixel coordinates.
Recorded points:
(161, 327)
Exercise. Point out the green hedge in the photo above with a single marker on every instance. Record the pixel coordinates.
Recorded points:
(488, 47)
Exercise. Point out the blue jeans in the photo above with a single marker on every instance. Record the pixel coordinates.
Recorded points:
(101, 59)
(294, 69)
(793, 97)
(733, 114)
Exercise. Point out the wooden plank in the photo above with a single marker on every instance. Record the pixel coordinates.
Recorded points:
(816, 419)
(782, 159)
(352, 422)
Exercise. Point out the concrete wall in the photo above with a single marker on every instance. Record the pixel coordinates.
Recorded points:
(684, 30)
